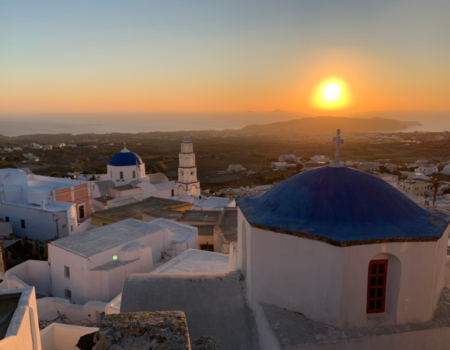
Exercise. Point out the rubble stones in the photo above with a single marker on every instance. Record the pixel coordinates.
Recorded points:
(144, 330)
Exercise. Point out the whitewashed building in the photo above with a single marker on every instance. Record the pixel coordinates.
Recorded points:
(42, 207)
(92, 265)
(427, 169)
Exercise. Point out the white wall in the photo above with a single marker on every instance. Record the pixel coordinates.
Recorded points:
(127, 173)
(63, 336)
(416, 290)
(77, 283)
(91, 311)
(39, 224)
(23, 330)
(298, 274)
(329, 284)
(34, 273)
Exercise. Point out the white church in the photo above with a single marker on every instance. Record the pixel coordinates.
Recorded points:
(127, 181)
(332, 259)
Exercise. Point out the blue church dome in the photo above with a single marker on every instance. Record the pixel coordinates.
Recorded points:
(125, 158)
(343, 206)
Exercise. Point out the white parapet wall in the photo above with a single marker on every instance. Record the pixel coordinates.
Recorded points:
(34, 273)
(23, 330)
(51, 308)
(63, 336)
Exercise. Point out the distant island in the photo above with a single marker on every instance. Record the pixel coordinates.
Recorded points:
(322, 125)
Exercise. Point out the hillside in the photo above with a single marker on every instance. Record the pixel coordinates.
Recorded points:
(322, 125)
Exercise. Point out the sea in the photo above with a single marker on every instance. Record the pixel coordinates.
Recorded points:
(81, 123)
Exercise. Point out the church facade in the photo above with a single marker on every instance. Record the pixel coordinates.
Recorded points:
(187, 184)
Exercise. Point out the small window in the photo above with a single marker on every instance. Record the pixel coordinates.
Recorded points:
(71, 228)
(376, 286)
(68, 294)
(22, 223)
(67, 272)
(121, 175)
(173, 193)
(81, 211)
(134, 174)
(7, 218)
(105, 224)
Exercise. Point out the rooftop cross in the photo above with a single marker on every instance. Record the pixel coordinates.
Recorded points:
(338, 141)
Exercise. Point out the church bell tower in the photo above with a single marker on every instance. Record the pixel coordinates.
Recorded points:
(187, 184)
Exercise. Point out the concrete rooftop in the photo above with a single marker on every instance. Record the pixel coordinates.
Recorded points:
(104, 238)
(195, 261)
(138, 208)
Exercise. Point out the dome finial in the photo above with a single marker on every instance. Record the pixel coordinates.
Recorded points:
(338, 141)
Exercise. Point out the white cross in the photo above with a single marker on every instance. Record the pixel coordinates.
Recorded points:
(338, 141)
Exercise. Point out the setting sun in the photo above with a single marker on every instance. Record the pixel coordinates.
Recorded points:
(331, 94)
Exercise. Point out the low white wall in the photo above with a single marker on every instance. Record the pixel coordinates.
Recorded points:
(23, 330)
(12, 282)
(91, 311)
(63, 336)
(34, 273)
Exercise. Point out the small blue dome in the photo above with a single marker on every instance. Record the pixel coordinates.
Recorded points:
(342, 206)
(125, 158)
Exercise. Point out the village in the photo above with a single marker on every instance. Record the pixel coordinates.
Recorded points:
(72, 244)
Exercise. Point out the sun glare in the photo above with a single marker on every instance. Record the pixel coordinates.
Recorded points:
(331, 94)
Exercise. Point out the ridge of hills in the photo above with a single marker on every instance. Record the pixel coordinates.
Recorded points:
(325, 125)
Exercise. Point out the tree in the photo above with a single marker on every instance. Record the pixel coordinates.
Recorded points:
(299, 167)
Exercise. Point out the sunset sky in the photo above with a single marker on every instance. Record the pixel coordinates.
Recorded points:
(222, 55)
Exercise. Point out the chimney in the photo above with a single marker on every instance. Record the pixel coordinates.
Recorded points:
(23, 241)
(3, 259)
(43, 204)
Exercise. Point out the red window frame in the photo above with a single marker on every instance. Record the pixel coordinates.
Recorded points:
(376, 286)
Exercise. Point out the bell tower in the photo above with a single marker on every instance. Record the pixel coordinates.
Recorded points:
(187, 184)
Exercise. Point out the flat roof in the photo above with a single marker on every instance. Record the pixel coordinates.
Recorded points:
(200, 215)
(112, 264)
(93, 242)
(195, 261)
(134, 209)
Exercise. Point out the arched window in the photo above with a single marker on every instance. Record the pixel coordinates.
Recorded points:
(376, 286)
(121, 175)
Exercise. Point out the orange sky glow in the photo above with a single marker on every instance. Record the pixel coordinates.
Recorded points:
(157, 60)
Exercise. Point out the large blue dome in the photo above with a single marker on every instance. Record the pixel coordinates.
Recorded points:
(342, 206)
(125, 158)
